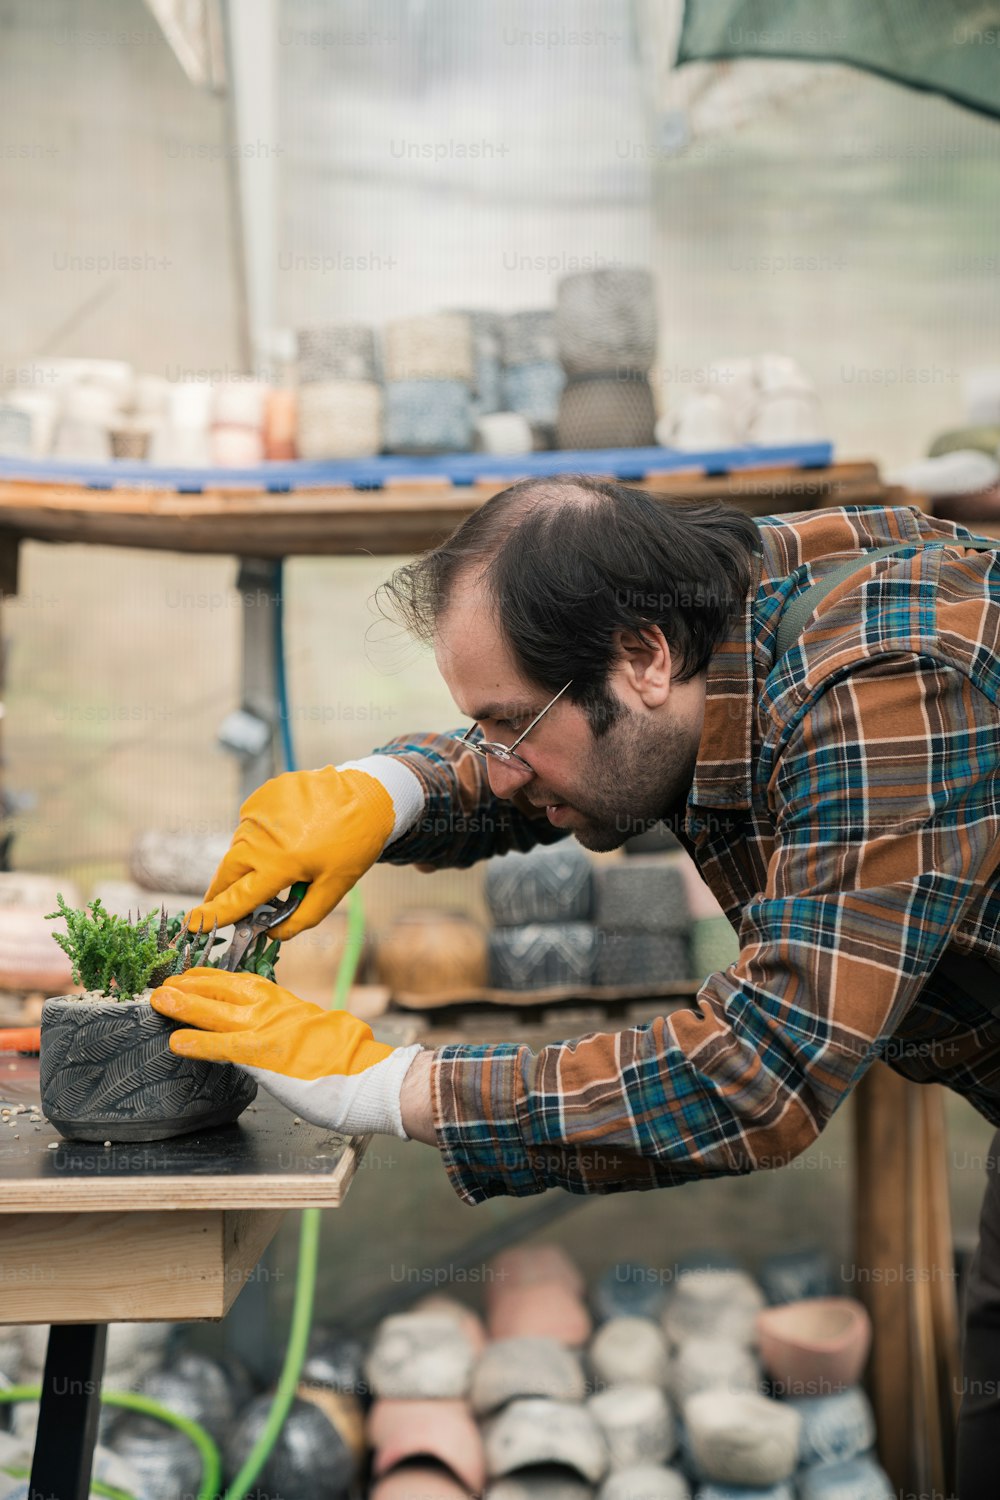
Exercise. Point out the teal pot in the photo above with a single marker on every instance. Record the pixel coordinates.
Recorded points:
(107, 1074)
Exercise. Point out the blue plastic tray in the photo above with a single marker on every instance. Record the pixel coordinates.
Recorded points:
(373, 473)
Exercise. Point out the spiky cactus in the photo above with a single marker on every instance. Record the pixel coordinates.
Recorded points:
(121, 958)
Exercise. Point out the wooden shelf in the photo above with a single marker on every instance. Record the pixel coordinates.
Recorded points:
(401, 518)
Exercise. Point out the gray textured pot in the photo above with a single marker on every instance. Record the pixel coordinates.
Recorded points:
(107, 1074)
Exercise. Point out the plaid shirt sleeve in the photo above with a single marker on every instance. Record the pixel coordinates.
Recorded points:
(462, 821)
(883, 789)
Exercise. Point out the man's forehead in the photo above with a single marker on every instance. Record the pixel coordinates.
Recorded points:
(476, 663)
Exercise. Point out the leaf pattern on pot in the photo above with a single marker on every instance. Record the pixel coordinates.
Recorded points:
(114, 1064)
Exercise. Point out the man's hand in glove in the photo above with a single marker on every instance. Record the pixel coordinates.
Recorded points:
(325, 1065)
(326, 827)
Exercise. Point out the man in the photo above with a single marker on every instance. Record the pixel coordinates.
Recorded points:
(840, 795)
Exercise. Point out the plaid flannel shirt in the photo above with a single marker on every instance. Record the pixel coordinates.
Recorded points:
(845, 812)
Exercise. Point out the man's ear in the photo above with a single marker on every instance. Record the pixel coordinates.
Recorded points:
(643, 665)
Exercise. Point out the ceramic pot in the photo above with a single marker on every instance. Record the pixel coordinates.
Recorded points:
(166, 1460)
(606, 319)
(550, 883)
(644, 894)
(534, 390)
(428, 416)
(107, 1074)
(436, 347)
(608, 411)
(742, 1439)
(541, 954)
(546, 1310)
(644, 1482)
(341, 351)
(161, 860)
(637, 1424)
(310, 1459)
(432, 953)
(339, 419)
(641, 957)
(816, 1346)
(416, 1356)
(435, 1428)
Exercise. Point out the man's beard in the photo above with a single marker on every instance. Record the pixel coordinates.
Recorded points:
(636, 774)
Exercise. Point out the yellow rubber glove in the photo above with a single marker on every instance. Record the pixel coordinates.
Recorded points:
(327, 827)
(325, 1065)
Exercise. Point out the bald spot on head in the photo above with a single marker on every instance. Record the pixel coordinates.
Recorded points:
(523, 499)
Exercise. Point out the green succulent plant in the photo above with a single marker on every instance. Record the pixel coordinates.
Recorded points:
(121, 958)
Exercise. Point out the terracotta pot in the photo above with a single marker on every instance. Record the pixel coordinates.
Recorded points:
(546, 1310)
(532, 1265)
(814, 1347)
(437, 1428)
(107, 1074)
(432, 953)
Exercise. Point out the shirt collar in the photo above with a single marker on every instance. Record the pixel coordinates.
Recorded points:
(723, 769)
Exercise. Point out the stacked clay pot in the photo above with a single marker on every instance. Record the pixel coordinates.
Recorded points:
(237, 430)
(339, 406)
(487, 365)
(421, 1427)
(183, 437)
(663, 1403)
(642, 919)
(540, 903)
(533, 378)
(606, 331)
(536, 1290)
(429, 371)
(529, 1385)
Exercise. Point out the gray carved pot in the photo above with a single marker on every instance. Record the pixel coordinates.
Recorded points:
(107, 1074)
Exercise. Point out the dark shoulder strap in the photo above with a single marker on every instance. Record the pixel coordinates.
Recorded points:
(793, 619)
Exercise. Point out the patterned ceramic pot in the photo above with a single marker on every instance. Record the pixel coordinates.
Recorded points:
(107, 1074)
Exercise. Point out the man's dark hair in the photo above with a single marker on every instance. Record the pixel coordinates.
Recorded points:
(565, 562)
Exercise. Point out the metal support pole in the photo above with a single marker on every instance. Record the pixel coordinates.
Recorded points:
(67, 1417)
(257, 581)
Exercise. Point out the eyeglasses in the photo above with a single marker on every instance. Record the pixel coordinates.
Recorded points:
(488, 749)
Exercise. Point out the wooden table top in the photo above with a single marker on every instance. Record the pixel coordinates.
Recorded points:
(264, 1161)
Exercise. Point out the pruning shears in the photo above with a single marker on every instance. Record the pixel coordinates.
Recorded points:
(261, 919)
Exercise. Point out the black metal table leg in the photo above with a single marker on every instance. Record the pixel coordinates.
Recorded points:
(67, 1418)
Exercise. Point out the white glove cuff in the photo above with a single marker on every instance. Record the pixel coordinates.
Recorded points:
(402, 785)
(355, 1104)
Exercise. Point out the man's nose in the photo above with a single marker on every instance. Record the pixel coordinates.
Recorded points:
(507, 777)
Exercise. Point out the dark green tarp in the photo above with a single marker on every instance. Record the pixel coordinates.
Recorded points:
(951, 47)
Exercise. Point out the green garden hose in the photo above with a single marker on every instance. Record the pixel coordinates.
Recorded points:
(211, 1465)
